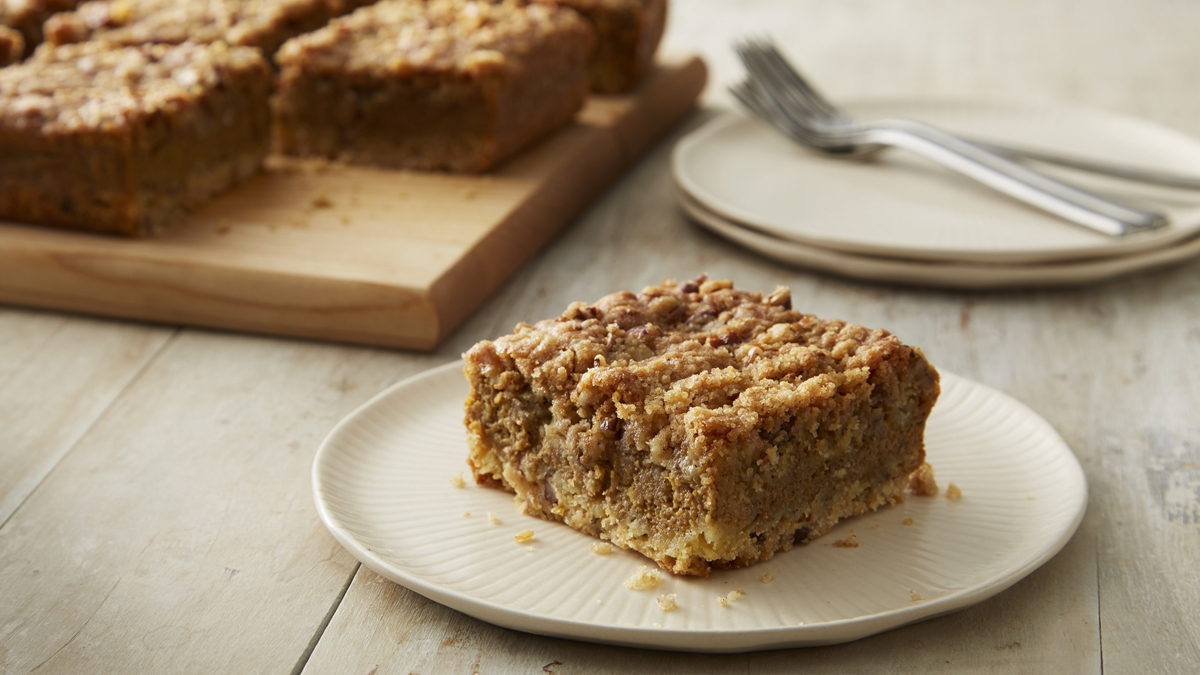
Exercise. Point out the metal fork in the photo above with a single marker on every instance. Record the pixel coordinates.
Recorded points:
(776, 92)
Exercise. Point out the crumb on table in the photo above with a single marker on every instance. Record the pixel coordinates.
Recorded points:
(953, 493)
(643, 579)
(907, 521)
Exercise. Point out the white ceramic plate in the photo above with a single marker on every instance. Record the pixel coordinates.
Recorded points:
(944, 274)
(900, 205)
(382, 481)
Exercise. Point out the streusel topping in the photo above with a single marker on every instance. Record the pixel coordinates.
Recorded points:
(101, 86)
(401, 36)
(239, 22)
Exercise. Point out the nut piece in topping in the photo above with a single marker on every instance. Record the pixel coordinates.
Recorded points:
(455, 85)
(123, 140)
(644, 578)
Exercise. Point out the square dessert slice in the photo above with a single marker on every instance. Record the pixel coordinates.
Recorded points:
(627, 32)
(444, 84)
(118, 139)
(701, 426)
(265, 24)
(25, 19)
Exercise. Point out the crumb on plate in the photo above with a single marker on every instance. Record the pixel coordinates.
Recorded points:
(848, 542)
(733, 596)
(523, 536)
(667, 602)
(643, 579)
(493, 518)
(953, 493)
(602, 548)
(922, 481)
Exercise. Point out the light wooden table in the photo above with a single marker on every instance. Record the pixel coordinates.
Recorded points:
(155, 501)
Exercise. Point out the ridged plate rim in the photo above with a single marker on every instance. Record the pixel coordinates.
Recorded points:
(332, 508)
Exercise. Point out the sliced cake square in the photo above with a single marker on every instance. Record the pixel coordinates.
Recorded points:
(445, 84)
(701, 426)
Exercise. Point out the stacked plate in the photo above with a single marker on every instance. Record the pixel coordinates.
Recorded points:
(896, 217)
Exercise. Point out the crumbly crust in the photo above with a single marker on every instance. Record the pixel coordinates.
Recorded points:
(265, 24)
(121, 139)
(699, 425)
(446, 84)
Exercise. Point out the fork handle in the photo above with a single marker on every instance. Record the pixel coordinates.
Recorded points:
(1013, 179)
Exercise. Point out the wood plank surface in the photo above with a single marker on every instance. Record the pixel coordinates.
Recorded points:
(89, 362)
(353, 254)
(170, 525)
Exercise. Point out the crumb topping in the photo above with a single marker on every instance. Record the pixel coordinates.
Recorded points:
(237, 22)
(98, 86)
(402, 36)
(677, 359)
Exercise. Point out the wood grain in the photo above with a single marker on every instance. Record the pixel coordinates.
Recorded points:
(351, 254)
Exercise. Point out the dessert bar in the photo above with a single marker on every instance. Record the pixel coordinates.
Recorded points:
(699, 425)
(118, 139)
(444, 84)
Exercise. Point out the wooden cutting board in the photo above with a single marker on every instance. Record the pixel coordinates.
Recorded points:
(352, 254)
